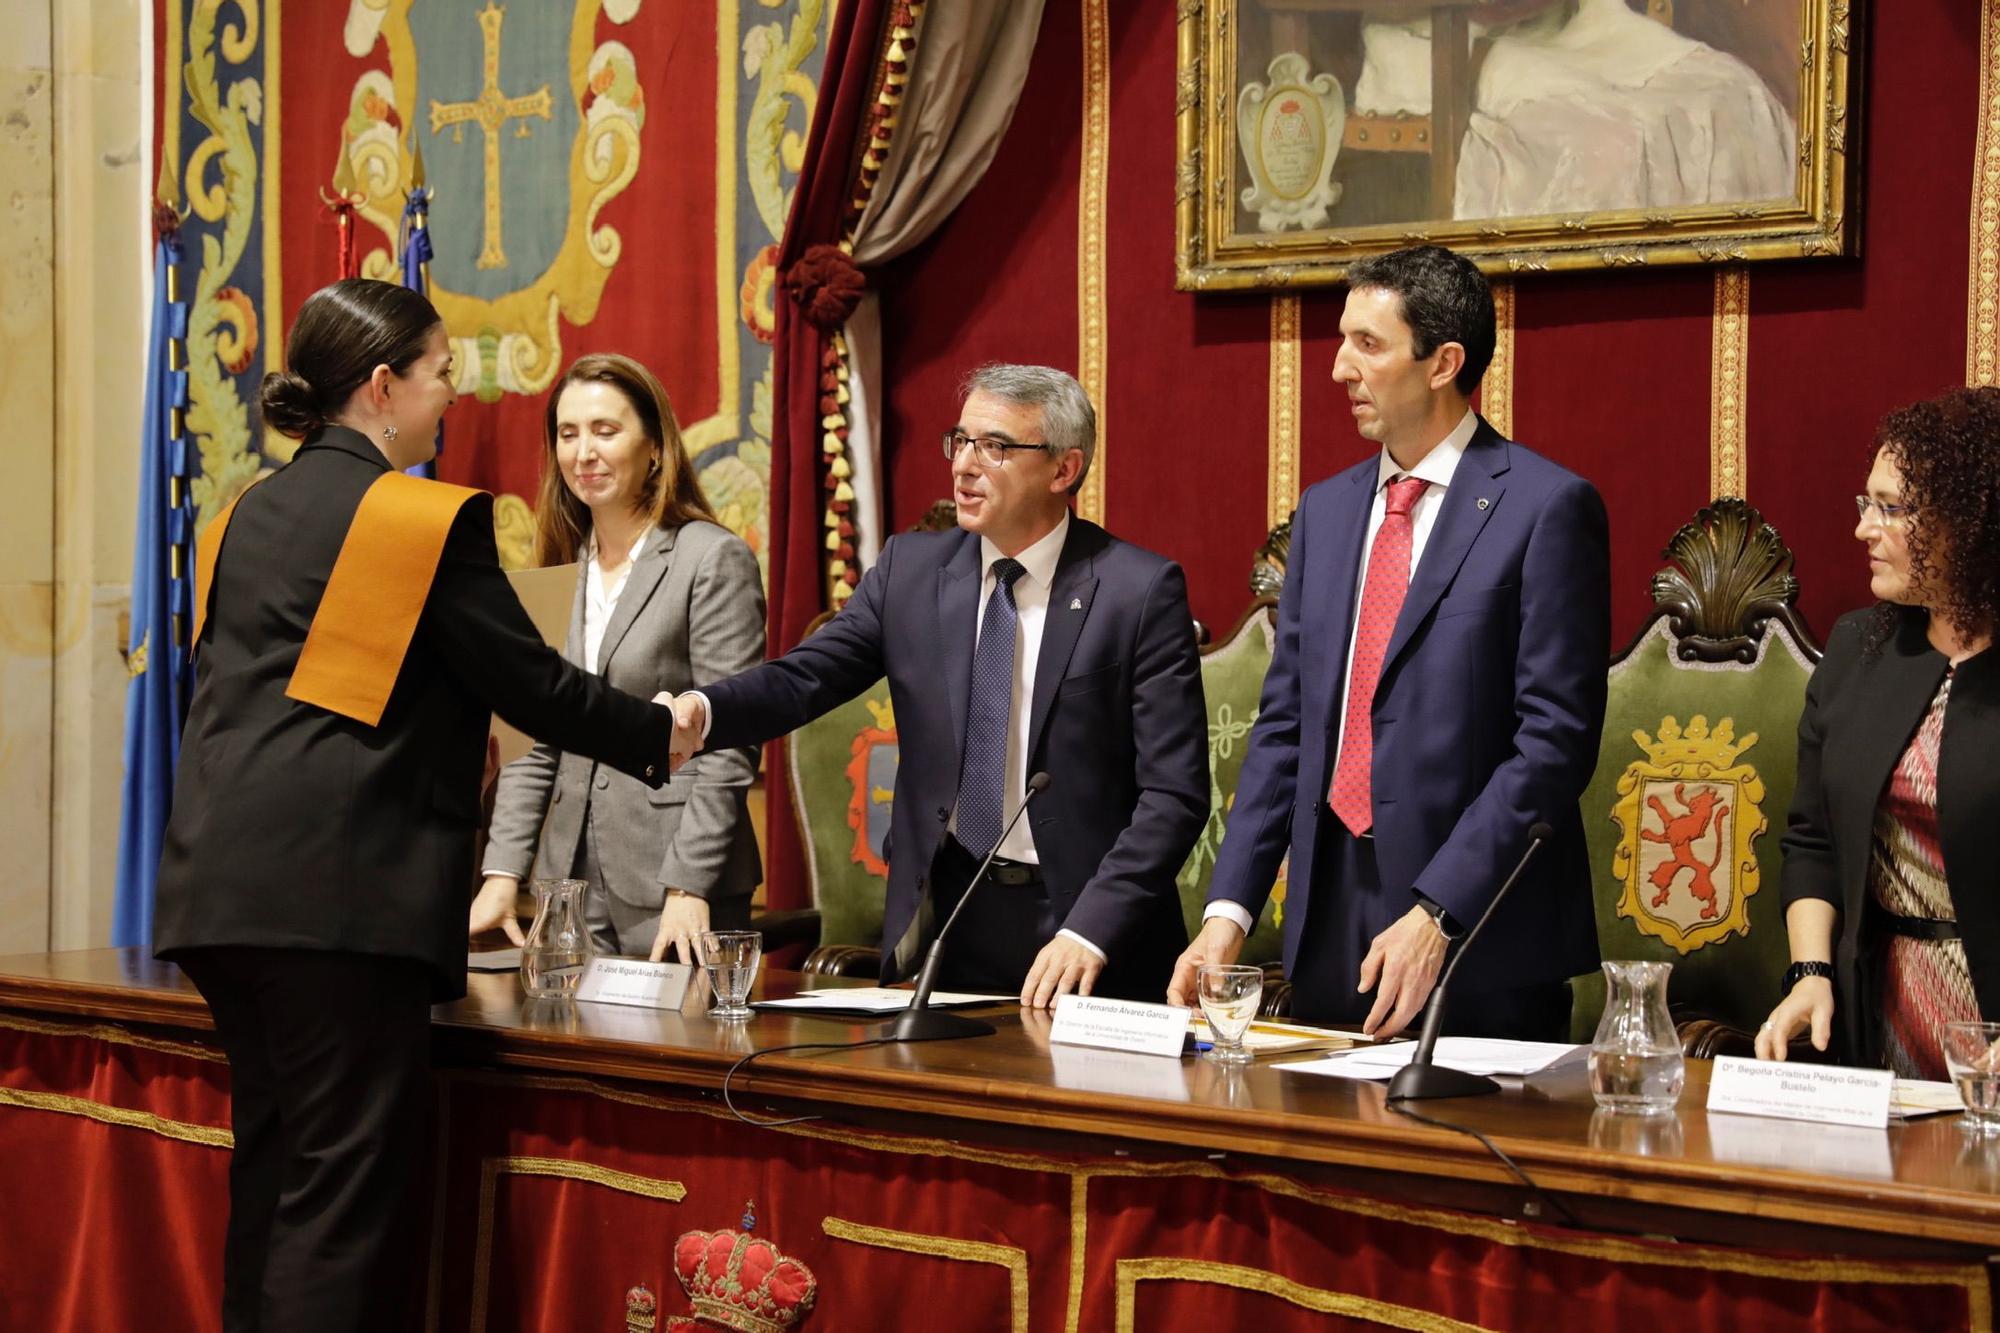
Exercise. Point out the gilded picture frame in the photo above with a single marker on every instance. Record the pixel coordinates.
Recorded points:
(1585, 134)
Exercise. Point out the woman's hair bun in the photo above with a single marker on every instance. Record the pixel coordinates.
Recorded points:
(291, 405)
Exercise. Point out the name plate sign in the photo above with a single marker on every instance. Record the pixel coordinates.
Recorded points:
(635, 981)
(1119, 1025)
(1829, 1094)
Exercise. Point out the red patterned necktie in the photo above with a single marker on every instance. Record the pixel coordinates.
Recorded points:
(1381, 601)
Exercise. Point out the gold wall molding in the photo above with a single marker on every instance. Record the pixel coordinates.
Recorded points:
(1090, 199)
(1010, 1257)
(1283, 472)
(1982, 297)
(1131, 1272)
(1728, 382)
(1496, 392)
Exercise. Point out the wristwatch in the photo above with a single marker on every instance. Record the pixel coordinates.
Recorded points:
(1798, 972)
(1443, 920)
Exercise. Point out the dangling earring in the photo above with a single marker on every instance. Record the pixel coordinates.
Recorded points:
(389, 434)
(654, 468)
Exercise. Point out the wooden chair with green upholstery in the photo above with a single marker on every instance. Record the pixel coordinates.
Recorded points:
(1694, 776)
(1232, 683)
(841, 769)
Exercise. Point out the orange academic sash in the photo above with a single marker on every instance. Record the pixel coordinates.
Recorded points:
(368, 614)
(206, 548)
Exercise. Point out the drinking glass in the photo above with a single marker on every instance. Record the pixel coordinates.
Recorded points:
(1229, 996)
(730, 958)
(1972, 1054)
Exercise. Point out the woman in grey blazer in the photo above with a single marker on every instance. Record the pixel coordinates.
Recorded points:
(666, 599)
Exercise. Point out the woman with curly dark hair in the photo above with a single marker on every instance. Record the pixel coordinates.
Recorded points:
(1892, 875)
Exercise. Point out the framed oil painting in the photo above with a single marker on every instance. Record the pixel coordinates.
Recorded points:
(1527, 134)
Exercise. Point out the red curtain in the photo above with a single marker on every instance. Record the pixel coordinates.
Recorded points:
(819, 207)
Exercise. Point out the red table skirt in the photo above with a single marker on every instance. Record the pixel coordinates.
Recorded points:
(552, 1199)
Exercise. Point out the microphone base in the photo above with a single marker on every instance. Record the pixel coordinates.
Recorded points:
(1418, 1082)
(936, 1025)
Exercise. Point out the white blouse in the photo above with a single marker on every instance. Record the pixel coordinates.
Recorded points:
(600, 597)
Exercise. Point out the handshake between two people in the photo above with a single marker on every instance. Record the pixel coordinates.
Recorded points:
(690, 726)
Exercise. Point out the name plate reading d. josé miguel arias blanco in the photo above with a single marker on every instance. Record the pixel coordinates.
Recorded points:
(635, 981)
(1119, 1025)
(1827, 1093)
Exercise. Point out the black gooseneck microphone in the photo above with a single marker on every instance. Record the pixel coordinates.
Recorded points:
(920, 1022)
(1421, 1078)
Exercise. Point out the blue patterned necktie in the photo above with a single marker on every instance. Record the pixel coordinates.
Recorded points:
(989, 713)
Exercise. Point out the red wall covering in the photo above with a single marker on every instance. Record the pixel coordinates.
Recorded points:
(1612, 369)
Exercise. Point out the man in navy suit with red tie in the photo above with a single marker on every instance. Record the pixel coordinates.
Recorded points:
(1437, 689)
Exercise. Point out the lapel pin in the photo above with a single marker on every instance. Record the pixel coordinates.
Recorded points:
(1076, 603)
(1482, 502)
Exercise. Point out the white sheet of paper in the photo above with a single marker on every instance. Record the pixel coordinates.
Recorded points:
(1119, 1025)
(635, 981)
(877, 999)
(1829, 1094)
(1920, 1097)
(1473, 1055)
(547, 595)
(1267, 1037)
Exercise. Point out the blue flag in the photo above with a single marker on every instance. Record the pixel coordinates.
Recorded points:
(156, 699)
(417, 253)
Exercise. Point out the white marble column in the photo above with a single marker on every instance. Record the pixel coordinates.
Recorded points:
(73, 275)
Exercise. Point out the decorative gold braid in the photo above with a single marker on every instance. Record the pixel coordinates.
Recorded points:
(1283, 474)
(1131, 1272)
(1079, 1243)
(1090, 203)
(1010, 1257)
(1971, 1277)
(490, 1171)
(878, 130)
(111, 1032)
(1982, 297)
(1729, 375)
(122, 1116)
(1496, 393)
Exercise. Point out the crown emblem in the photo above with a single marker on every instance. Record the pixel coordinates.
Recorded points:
(1678, 750)
(738, 1281)
(883, 711)
(641, 1309)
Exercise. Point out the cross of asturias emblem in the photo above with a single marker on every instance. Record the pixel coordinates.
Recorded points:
(491, 110)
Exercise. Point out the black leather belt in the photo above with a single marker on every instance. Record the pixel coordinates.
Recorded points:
(1919, 927)
(1012, 873)
(1015, 873)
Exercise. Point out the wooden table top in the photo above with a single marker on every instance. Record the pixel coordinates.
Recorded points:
(1926, 1179)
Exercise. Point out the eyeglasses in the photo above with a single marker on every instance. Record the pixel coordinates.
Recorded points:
(1888, 515)
(989, 451)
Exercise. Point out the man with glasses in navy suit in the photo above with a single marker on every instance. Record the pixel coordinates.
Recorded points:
(1027, 640)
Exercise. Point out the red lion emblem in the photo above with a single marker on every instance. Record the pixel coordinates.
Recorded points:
(1680, 833)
